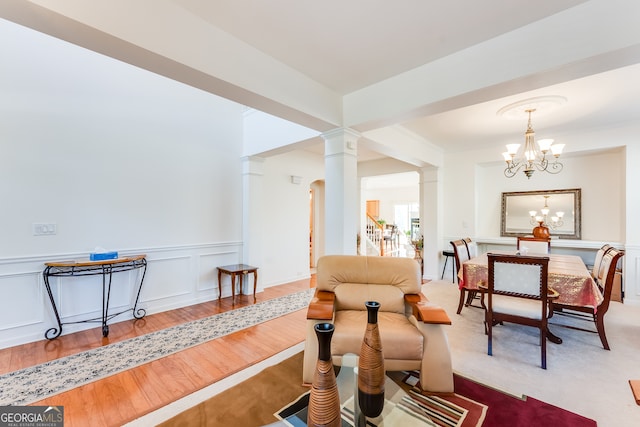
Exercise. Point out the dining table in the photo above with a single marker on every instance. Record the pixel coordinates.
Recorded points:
(568, 276)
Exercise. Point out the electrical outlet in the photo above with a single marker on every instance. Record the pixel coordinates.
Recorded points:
(40, 229)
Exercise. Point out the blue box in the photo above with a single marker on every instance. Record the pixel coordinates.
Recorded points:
(103, 256)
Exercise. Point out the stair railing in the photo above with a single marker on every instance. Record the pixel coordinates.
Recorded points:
(375, 233)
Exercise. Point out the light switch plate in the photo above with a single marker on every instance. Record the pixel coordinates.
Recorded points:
(41, 229)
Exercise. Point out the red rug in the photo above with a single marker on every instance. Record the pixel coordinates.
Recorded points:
(508, 411)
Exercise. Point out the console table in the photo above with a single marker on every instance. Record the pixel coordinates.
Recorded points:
(106, 268)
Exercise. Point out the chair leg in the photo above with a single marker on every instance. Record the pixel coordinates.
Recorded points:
(543, 347)
(470, 298)
(488, 326)
(461, 302)
(600, 328)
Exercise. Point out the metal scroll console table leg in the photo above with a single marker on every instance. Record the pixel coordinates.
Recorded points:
(106, 268)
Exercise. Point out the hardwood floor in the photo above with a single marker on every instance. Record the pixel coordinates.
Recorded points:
(123, 397)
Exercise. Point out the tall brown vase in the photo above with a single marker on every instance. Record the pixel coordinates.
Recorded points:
(371, 366)
(324, 401)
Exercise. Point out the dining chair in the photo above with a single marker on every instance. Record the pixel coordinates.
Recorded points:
(605, 284)
(517, 292)
(391, 236)
(596, 271)
(461, 254)
(472, 247)
(534, 245)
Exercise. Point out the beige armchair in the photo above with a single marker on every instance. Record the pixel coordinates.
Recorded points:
(411, 328)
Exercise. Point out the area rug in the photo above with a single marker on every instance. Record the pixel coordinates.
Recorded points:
(38, 382)
(258, 400)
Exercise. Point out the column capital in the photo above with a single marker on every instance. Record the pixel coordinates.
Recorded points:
(341, 141)
(253, 165)
(430, 174)
(341, 132)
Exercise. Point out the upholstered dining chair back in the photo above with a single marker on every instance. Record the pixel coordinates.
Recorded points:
(607, 275)
(460, 253)
(597, 271)
(534, 245)
(517, 292)
(472, 247)
(517, 279)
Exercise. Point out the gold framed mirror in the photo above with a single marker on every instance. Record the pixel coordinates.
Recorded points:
(558, 209)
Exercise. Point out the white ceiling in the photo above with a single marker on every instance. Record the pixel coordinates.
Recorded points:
(596, 101)
(348, 45)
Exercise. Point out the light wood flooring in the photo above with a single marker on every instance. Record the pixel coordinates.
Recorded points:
(123, 397)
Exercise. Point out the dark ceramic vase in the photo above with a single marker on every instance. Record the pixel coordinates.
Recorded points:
(371, 375)
(324, 401)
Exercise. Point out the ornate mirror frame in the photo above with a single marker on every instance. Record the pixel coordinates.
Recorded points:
(516, 220)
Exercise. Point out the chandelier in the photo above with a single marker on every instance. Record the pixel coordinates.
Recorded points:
(543, 218)
(533, 157)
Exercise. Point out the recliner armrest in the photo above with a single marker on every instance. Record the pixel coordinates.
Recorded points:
(321, 306)
(426, 311)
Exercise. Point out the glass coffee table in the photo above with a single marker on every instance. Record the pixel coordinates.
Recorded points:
(401, 408)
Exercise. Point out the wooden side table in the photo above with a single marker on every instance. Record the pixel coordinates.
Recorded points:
(237, 270)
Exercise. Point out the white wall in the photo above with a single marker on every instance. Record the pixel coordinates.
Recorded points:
(286, 214)
(264, 132)
(149, 165)
(602, 199)
(473, 194)
(473, 198)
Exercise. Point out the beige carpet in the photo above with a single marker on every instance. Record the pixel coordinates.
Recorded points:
(581, 376)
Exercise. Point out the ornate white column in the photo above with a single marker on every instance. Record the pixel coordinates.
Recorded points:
(431, 219)
(341, 191)
(252, 220)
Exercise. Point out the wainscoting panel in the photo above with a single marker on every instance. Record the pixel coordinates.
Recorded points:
(176, 277)
(208, 272)
(166, 278)
(20, 304)
(81, 297)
